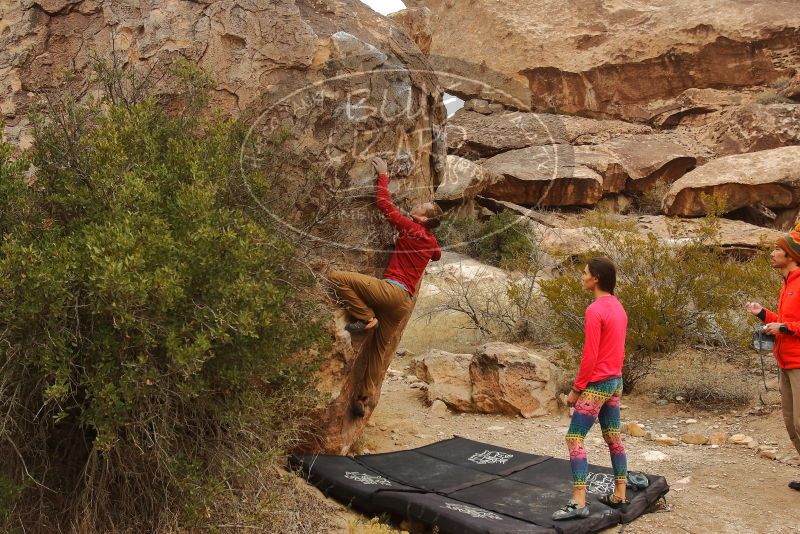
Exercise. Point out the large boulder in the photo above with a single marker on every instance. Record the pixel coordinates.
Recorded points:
(475, 135)
(737, 238)
(417, 23)
(335, 80)
(513, 380)
(497, 378)
(463, 180)
(647, 159)
(613, 58)
(553, 175)
(770, 178)
(751, 128)
(693, 106)
(448, 378)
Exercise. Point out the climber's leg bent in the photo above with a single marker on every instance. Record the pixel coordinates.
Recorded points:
(381, 345)
(360, 294)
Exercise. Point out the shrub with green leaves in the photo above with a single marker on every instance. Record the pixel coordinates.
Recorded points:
(148, 318)
(685, 293)
(501, 240)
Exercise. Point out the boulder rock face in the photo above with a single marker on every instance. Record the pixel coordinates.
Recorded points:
(751, 128)
(647, 159)
(613, 58)
(448, 378)
(342, 82)
(475, 135)
(463, 180)
(497, 378)
(552, 175)
(512, 380)
(416, 22)
(770, 178)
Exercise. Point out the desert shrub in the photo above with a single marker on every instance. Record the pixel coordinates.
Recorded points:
(771, 97)
(687, 292)
(703, 382)
(501, 240)
(499, 309)
(649, 201)
(148, 319)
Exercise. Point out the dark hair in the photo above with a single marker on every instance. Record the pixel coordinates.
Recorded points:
(434, 216)
(603, 269)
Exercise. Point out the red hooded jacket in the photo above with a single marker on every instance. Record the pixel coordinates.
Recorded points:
(415, 244)
(787, 346)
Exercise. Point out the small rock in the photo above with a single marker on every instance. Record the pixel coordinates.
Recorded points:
(713, 486)
(654, 456)
(690, 421)
(694, 439)
(495, 428)
(769, 454)
(739, 439)
(636, 430)
(679, 398)
(685, 480)
(662, 402)
(718, 438)
(667, 441)
(438, 408)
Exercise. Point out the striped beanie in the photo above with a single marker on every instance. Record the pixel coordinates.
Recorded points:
(790, 243)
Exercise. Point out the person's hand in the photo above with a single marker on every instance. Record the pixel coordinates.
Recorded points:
(380, 166)
(754, 307)
(772, 328)
(573, 398)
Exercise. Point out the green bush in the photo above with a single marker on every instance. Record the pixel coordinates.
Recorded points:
(501, 240)
(147, 322)
(687, 293)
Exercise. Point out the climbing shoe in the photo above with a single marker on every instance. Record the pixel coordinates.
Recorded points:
(610, 501)
(359, 326)
(571, 511)
(795, 485)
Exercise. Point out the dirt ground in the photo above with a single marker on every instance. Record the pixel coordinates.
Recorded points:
(729, 489)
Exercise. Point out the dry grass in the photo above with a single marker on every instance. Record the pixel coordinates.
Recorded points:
(374, 526)
(703, 380)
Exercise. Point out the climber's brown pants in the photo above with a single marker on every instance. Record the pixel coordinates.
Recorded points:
(366, 297)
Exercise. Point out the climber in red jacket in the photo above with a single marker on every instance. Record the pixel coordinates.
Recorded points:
(785, 326)
(381, 306)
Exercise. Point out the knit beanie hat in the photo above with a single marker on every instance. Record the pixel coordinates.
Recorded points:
(790, 243)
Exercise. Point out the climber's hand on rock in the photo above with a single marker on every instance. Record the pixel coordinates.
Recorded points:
(380, 166)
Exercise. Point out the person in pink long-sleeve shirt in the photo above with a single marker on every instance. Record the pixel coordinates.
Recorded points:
(597, 389)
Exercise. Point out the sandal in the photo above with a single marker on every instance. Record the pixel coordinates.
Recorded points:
(609, 500)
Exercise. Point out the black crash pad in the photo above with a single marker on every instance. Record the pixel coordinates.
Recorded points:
(463, 486)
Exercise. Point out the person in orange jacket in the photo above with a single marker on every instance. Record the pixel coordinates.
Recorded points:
(785, 326)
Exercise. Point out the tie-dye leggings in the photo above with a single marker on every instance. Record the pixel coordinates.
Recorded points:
(600, 399)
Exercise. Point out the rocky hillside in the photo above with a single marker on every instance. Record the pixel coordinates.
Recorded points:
(630, 105)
